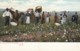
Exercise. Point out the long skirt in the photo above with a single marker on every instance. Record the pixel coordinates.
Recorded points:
(27, 20)
(47, 19)
(63, 20)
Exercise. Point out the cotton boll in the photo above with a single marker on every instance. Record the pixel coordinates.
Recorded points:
(58, 39)
(64, 30)
(16, 35)
(6, 32)
(51, 34)
(66, 40)
(64, 33)
(45, 36)
(63, 36)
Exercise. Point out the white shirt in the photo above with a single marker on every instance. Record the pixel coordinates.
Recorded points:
(7, 13)
(37, 14)
(63, 20)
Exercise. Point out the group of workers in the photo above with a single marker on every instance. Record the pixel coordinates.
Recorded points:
(35, 16)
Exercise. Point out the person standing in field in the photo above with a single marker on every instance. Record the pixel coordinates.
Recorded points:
(75, 18)
(22, 18)
(28, 17)
(8, 16)
(43, 18)
(56, 18)
(17, 15)
(47, 18)
(61, 18)
(37, 17)
(64, 18)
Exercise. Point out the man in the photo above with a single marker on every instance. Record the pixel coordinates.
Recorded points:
(8, 16)
(22, 18)
(37, 16)
(56, 18)
(75, 18)
(17, 16)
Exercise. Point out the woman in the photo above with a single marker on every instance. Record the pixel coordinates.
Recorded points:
(64, 19)
(37, 17)
(27, 18)
(43, 18)
(48, 18)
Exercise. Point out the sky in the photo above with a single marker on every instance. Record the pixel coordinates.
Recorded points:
(47, 5)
